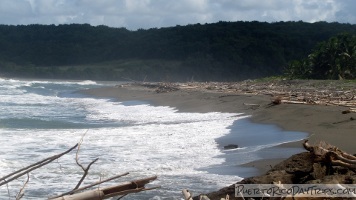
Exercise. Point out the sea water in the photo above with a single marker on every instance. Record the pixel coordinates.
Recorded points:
(41, 118)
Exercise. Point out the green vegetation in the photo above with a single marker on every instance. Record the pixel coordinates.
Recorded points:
(222, 51)
(334, 59)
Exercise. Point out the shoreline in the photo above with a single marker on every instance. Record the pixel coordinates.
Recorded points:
(322, 123)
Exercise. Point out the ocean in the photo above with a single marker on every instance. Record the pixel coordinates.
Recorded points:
(41, 118)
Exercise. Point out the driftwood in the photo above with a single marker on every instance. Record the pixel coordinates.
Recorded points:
(187, 195)
(21, 192)
(160, 87)
(12, 176)
(77, 193)
(331, 155)
(287, 91)
(91, 185)
(311, 92)
(85, 169)
(108, 192)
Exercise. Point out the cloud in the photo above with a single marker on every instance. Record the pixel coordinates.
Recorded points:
(135, 14)
(347, 12)
(12, 10)
(280, 10)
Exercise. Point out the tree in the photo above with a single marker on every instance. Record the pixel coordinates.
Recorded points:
(333, 59)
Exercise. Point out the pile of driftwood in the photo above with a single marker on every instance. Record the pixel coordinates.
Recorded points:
(166, 87)
(159, 87)
(285, 91)
(81, 193)
(331, 155)
(289, 91)
(321, 164)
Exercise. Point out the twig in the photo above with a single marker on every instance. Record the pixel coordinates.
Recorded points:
(32, 167)
(76, 155)
(99, 181)
(86, 170)
(60, 166)
(122, 196)
(21, 192)
(8, 191)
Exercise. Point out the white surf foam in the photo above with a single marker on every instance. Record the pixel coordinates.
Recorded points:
(147, 141)
(152, 141)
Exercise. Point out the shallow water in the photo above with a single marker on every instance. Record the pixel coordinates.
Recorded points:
(42, 118)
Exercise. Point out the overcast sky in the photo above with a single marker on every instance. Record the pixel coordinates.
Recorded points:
(134, 14)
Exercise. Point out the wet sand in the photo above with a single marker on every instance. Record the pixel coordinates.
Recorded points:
(323, 123)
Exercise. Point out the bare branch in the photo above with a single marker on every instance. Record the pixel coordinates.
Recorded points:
(8, 191)
(77, 154)
(32, 167)
(86, 170)
(122, 196)
(60, 166)
(21, 192)
(89, 186)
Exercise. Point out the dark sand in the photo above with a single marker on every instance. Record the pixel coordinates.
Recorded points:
(325, 123)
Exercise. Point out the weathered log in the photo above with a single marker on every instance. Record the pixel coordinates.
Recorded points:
(91, 185)
(348, 156)
(335, 156)
(108, 192)
(343, 164)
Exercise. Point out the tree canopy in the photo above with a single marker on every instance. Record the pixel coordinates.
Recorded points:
(220, 51)
(332, 59)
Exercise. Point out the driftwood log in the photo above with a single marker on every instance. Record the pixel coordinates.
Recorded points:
(108, 192)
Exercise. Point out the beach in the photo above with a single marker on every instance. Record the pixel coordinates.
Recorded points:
(321, 122)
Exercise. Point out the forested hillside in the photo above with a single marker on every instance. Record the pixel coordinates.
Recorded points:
(221, 51)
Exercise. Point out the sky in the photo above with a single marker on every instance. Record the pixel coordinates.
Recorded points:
(145, 14)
